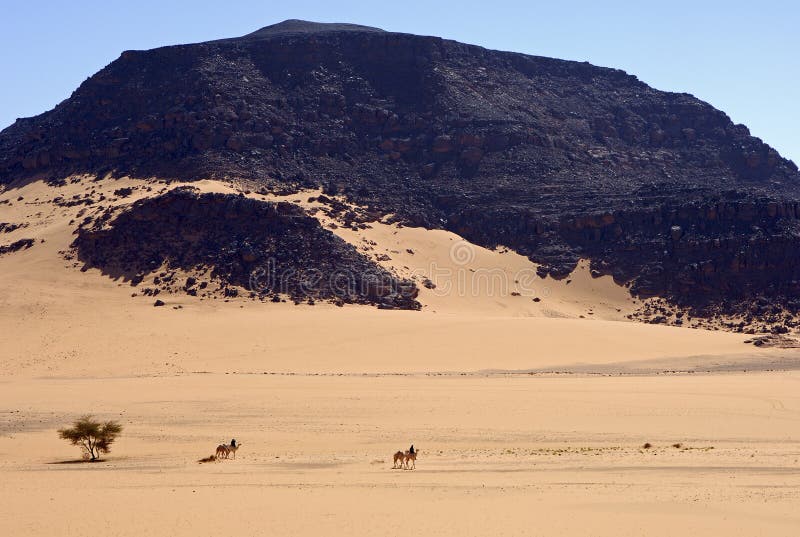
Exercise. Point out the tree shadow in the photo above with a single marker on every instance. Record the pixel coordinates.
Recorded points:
(77, 461)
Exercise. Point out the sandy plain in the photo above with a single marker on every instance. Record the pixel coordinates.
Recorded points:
(530, 417)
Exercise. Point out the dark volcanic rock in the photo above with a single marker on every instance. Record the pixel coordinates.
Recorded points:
(295, 26)
(6, 227)
(558, 160)
(266, 247)
(724, 250)
(22, 244)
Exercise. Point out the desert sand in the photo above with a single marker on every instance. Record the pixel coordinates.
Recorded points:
(530, 416)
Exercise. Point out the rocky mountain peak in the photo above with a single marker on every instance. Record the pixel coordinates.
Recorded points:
(297, 26)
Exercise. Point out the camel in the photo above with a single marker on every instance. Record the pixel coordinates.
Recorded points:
(403, 457)
(222, 451)
(408, 456)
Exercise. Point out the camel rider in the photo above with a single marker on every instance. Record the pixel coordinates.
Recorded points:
(411, 450)
(233, 442)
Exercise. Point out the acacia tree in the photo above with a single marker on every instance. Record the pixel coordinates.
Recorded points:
(92, 436)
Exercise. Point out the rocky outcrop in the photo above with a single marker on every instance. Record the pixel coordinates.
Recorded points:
(8, 227)
(22, 244)
(711, 251)
(724, 253)
(560, 160)
(268, 249)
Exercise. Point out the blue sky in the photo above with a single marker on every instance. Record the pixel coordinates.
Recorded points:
(742, 57)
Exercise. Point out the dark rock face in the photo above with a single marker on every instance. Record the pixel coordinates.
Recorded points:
(22, 244)
(557, 159)
(707, 252)
(7, 227)
(265, 247)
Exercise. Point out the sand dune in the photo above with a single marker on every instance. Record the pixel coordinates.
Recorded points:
(481, 314)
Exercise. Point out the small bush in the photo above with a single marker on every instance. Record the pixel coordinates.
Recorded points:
(647, 445)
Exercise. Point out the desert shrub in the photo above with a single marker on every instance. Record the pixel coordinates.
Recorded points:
(92, 436)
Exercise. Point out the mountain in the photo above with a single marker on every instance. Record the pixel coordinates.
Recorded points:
(555, 159)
